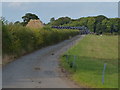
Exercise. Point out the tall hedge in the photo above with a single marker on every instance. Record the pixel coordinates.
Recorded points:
(18, 40)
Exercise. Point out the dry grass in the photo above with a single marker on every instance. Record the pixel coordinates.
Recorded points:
(7, 59)
(35, 24)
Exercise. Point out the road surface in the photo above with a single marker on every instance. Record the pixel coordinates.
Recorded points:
(39, 69)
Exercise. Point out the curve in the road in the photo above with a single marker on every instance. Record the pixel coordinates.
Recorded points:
(39, 69)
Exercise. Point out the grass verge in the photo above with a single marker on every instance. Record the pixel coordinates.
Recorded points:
(86, 61)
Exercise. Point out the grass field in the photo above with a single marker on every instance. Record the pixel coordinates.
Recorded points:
(92, 52)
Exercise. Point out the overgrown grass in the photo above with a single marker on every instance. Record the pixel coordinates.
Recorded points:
(92, 52)
(19, 40)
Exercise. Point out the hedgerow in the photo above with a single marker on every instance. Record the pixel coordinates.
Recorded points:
(18, 40)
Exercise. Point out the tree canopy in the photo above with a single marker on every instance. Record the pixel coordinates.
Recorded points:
(52, 19)
(27, 18)
(61, 21)
(97, 24)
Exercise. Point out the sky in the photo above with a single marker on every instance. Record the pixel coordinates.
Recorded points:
(60, 0)
(13, 11)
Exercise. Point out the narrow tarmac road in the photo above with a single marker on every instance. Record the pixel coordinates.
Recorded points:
(39, 69)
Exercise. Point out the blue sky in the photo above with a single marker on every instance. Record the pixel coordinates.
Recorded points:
(13, 11)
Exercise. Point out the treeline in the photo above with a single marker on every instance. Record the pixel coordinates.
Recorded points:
(96, 24)
(18, 40)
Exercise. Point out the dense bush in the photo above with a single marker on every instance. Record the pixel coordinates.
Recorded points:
(18, 40)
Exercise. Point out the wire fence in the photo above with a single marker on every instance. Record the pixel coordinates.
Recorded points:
(105, 70)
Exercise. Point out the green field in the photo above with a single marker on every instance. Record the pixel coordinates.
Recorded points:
(92, 52)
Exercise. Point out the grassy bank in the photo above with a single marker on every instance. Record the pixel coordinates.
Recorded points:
(89, 56)
(19, 40)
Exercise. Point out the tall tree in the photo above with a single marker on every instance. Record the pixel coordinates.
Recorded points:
(91, 23)
(28, 17)
(52, 19)
(61, 21)
(98, 21)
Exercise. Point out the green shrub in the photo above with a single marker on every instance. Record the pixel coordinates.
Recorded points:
(18, 40)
